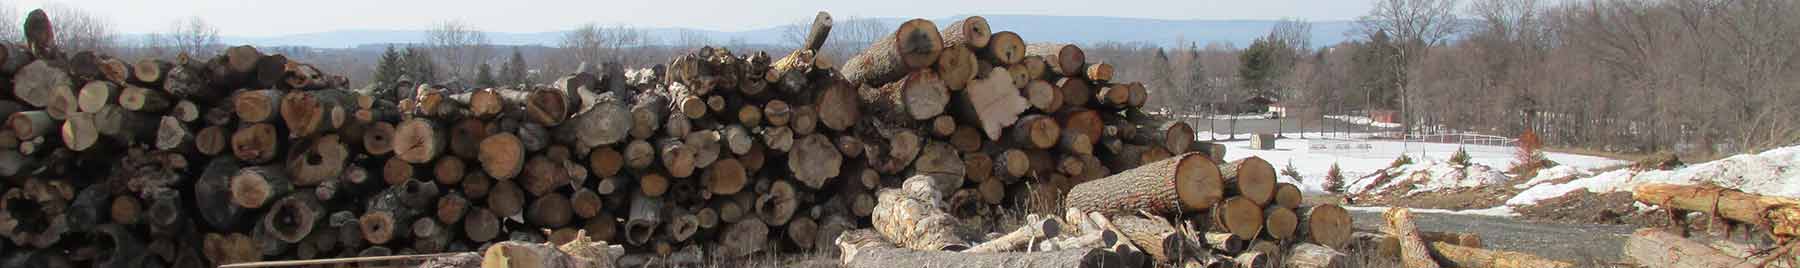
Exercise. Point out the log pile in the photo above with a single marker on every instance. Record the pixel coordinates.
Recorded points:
(249, 156)
(1760, 217)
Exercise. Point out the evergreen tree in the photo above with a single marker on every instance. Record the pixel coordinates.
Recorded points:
(1334, 179)
(513, 72)
(389, 69)
(484, 77)
(1377, 67)
(1261, 65)
(419, 66)
(1196, 74)
(1162, 76)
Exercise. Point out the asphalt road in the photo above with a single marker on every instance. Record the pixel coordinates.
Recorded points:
(1586, 245)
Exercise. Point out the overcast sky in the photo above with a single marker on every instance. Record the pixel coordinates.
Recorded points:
(277, 17)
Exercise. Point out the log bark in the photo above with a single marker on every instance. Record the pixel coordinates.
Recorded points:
(1414, 252)
(864, 249)
(1308, 255)
(914, 45)
(1781, 215)
(1653, 247)
(213, 194)
(1251, 178)
(992, 103)
(1184, 183)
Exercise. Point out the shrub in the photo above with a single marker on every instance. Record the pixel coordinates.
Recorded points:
(1461, 158)
(1530, 156)
(1334, 179)
(1402, 161)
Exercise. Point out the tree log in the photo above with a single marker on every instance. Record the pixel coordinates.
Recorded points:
(1005, 48)
(992, 103)
(502, 156)
(294, 217)
(1184, 183)
(1239, 216)
(920, 96)
(1279, 223)
(1659, 248)
(865, 249)
(814, 160)
(1781, 215)
(646, 215)
(37, 83)
(419, 140)
(320, 159)
(1064, 59)
(1251, 178)
(255, 187)
(1325, 224)
(914, 45)
(915, 217)
(957, 65)
(1461, 256)
(971, 31)
(1414, 252)
(313, 112)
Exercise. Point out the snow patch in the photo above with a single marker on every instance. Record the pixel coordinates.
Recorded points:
(1362, 120)
(1770, 173)
(1427, 177)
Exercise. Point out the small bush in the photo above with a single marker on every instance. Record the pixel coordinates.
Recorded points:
(1402, 161)
(1461, 158)
(1530, 157)
(1334, 179)
(1291, 172)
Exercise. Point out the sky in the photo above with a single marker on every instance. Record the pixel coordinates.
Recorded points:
(279, 17)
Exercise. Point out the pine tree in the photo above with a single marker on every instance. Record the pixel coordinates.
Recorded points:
(513, 72)
(389, 69)
(419, 66)
(1196, 75)
(1260, 68)
(1291, 172)
(484, 77)
(1334, 179)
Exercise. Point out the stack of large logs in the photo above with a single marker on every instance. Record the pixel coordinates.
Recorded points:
(1766, 218)
(250, 156)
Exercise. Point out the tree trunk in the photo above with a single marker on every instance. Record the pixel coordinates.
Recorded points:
(1782, 215)
(313, 112)
(914, 45)
(1413, 251)
(1166, 188)
(1251, 178)
(864, 249)
(1658, 248)
(1064, 59)
(96, 94)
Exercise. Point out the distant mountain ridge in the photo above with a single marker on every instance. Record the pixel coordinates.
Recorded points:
(1035, 28)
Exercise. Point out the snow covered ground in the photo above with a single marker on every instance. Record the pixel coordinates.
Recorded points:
(1357, 157)
(1771, 172)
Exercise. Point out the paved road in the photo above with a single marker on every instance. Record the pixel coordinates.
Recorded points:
(1584, 244)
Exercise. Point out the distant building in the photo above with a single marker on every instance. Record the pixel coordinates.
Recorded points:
(1385, 116)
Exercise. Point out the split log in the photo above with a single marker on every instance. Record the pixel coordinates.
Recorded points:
(914, 45)
(1251, 178)
(1781, 215)
(865, 249)
(1064, 59)
(1414, 253)
(1184, 183)
(992, 103)
(1325, 224)
(1660, 248)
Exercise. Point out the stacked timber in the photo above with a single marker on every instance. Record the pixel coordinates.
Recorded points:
(250, 156)
(1759, 216)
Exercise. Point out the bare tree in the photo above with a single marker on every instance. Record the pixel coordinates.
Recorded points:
(77, 30)
(689, 39)
(191, 35)
(9, 19)
(585, 43)
(459, 45)
(1420, 22)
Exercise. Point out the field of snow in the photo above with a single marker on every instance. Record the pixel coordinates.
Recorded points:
(1357, 161)
(1771, 172)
